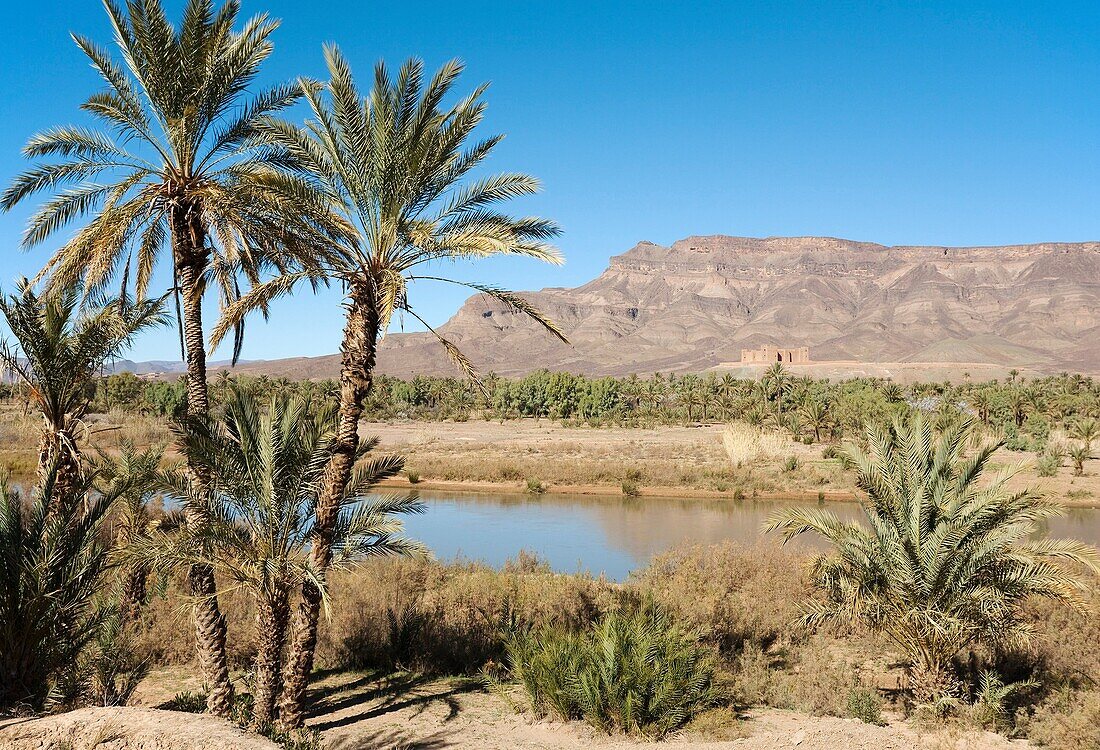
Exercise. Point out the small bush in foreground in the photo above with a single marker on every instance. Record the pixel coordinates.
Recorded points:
(866, 705)
(1068, 721)
(535, 486)
(635, 672)
(187, 702)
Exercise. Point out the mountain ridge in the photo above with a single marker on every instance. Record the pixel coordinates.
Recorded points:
(693, 305)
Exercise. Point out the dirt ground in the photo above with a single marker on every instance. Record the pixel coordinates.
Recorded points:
(361, 712)
(673, 461)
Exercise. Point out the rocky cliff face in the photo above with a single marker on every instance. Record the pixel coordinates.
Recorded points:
(695, 304)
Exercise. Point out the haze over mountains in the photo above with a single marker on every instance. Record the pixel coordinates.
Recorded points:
(696, 304)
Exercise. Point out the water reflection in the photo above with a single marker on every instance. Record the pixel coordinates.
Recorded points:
(613, 535)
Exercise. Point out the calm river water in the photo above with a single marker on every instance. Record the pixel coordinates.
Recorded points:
(615, 535)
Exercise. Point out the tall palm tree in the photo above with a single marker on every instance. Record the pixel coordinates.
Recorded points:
(56, 353)
(179, 167)
(945, 560)
(266, 467)
(395, 164)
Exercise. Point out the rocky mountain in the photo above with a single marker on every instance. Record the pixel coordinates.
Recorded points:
(696, 304)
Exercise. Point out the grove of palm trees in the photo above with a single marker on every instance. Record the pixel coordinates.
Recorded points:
(238, 546)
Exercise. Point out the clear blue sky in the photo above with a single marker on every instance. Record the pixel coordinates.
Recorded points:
(935, 122)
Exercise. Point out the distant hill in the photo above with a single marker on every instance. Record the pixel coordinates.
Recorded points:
(696, 304)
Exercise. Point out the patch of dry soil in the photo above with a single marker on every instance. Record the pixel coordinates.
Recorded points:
(357, 714)
(127, 729)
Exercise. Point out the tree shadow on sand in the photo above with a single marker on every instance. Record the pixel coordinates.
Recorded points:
(331, 705)
(390, 739)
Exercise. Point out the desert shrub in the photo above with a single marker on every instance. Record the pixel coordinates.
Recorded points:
(812, 678)
(745, 444)
(720, 591)
(830, 451)
(791, 463)
(1047, 463)
(630, 488)
(448, 619)
(413, 476)
(188, 702)
(1068, 720)
(636, 672)
(866, 705)
(535, 486)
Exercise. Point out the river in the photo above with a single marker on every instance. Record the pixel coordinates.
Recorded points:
(615, 535)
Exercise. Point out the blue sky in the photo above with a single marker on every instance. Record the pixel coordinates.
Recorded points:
(939, 123)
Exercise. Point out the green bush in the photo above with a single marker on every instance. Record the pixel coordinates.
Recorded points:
(414, 477)
(630, 488)
(535, 486)
(635, 672)
(187, 702)
(865, 705)
(1047, 463)
(791, 464)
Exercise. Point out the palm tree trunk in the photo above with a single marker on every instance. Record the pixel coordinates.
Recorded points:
(135, 589)
(272, 617)
(357, 357)
(931, 680)
(191, 257)
(59, 455)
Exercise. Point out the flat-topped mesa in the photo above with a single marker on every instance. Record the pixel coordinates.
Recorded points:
(697, 303)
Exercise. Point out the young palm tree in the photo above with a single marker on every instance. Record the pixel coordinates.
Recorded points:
(56, 353)
(1086, 430)
(817, 413)
(131, 475)
(394, 163)
(265, 468)
(945, 560)
(52, 564)
(179, 167)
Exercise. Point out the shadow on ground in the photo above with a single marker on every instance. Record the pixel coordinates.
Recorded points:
(341, 703)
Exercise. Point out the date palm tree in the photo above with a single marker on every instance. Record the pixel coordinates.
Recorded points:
(945, 560)
(265, 468)
(53, 560)
(395, 164)
(179, 168)
(1086, 430)
(56, 353)
(130, 474)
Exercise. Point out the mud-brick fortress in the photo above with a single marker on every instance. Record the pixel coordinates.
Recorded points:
(769, 354)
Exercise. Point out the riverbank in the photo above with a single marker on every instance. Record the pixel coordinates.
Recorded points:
(667, 461)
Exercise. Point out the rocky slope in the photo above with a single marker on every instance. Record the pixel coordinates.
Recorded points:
(694, 305)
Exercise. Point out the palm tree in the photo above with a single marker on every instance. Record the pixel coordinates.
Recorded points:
(1085, 430)
(56, 353)
(394, 164)
(52, 564)
(945, 560)
(266, 468)
(1080, 453)
(817, 414)
(130, 475)
(180, 166)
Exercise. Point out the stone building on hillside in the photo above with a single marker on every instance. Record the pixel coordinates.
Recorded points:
(769, 354)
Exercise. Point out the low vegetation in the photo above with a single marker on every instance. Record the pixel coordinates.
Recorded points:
(634, 671)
